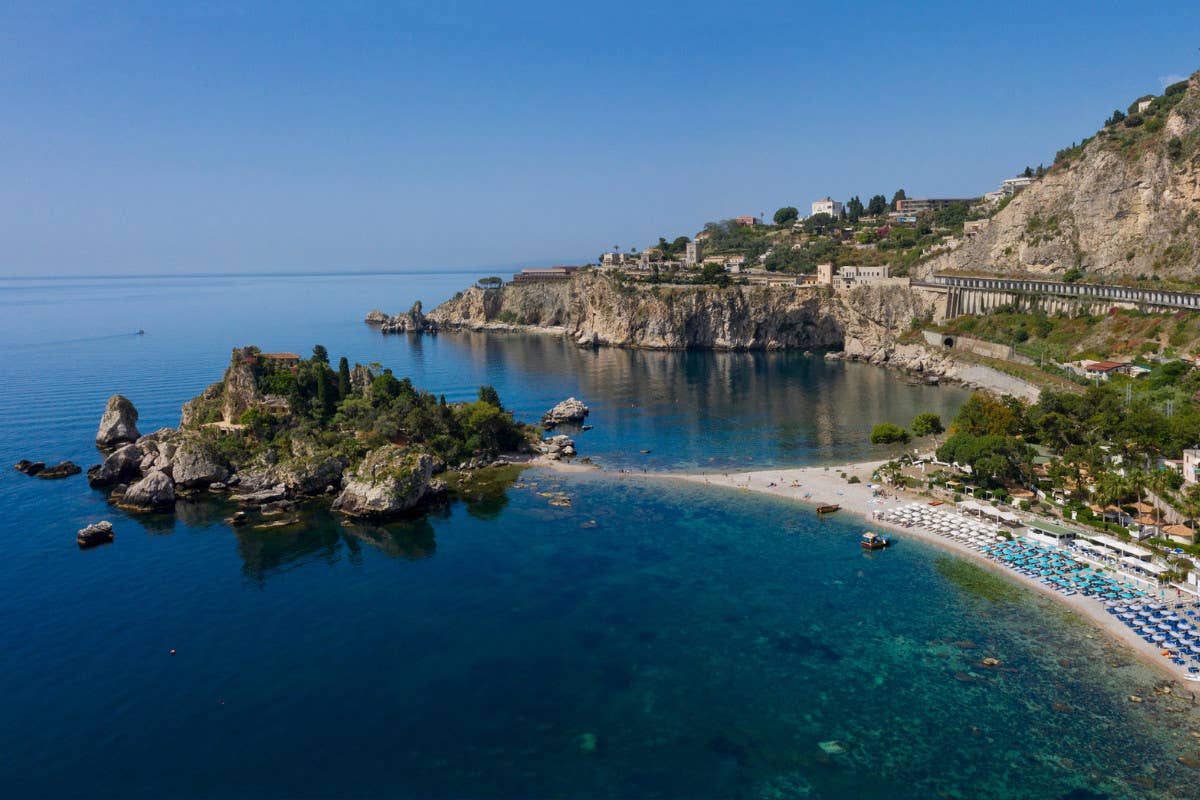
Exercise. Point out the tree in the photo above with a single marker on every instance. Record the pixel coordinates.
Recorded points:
(887, 433)
(1116, 117)
(344, 387)
(491, 282)
(326, 394)
(786, 215)
(1028, 173)
(1191, 497)
(488, 394)
(320, 354)
(984, 415)
(854, 209)
(899, 195)
(1174, 149)
(817, 223)
(927, 424)
(713, 273)
(680, 244)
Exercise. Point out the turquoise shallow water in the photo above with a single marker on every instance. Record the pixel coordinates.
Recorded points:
(654, 640)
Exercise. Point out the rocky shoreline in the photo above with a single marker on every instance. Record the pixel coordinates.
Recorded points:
(593, 309)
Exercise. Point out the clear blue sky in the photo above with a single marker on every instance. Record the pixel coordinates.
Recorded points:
(226, 137)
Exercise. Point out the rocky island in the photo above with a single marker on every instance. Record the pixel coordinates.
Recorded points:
(278, 429)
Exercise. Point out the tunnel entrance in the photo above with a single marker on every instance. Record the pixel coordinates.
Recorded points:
(948, 342)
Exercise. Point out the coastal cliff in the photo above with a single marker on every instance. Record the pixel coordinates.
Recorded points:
(600, 309)
(865, 323)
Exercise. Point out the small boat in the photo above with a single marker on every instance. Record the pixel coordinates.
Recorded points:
(874, 541)
(828, 508)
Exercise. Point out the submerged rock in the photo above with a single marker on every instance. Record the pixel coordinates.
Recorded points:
(95, 534)
(155, 492)
(569, 410)
(389, 481)
(118, 425)
(262, 496)
(63, 469)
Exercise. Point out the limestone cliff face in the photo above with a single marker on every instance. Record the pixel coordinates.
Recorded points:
(1127, 205)
(596, 309)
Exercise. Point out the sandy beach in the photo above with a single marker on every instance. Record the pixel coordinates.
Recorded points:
(820, 485)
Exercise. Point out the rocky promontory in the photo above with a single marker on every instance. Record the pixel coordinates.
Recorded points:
(865, 323)
(595, 308)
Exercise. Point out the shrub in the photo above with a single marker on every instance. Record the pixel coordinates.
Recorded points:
(926, 424)
(1134, 120)
(887, 433)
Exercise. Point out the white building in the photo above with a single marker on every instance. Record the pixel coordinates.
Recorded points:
(1191, 465)
(827, 206)
(1014, 185)
(857, 275)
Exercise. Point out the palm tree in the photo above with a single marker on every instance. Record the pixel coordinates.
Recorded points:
(1110, 489)
(1191, 497)
(1159, 482)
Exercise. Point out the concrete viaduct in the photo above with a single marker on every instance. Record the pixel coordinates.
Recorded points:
(973, 295)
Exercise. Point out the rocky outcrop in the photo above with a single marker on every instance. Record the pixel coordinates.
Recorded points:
(63, 469)
(569, 410)
(1122, 206)
(360, 380)
(155, 492)
(29, 467)
(194, 466)
(414, 321)
(389, 481)
(376, 317)
(557, 447)
(118, 425)
(95, 534)
(122, 465)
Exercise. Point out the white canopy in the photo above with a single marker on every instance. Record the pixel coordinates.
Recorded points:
(1148, 566)
(1118, 545)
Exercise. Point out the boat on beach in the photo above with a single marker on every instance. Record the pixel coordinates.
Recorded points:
(874, 541)
(827, 508)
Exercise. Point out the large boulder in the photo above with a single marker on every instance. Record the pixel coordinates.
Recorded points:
(569, 410)
(195, 466)
(118, 425)
(155, 492)
(390, 480)
(376, 317)
(121, 465)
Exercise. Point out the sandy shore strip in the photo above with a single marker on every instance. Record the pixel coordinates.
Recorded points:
(821, 485)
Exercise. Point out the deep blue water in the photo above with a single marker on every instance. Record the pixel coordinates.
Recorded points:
(654, 640)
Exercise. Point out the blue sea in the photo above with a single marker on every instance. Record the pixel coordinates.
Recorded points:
(656, 639)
